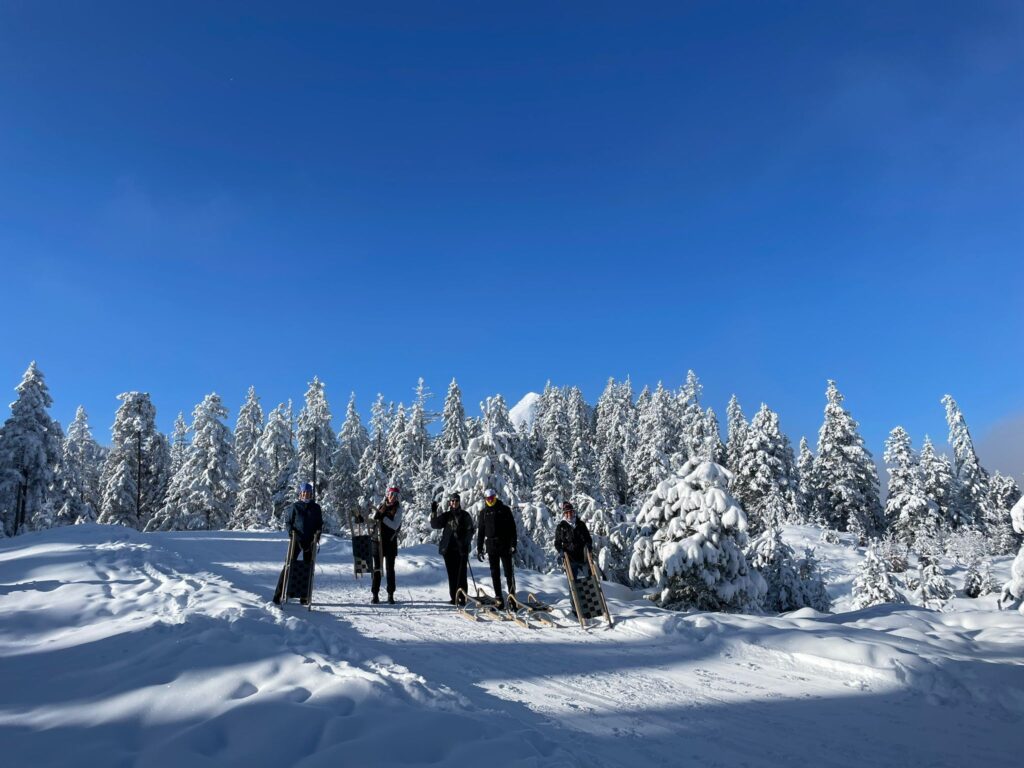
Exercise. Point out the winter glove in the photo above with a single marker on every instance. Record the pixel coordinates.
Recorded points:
(433, 507)
(480, 555)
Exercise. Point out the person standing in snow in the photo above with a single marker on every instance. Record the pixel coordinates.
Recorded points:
(306, 520)
(457, 529)
(573, 539)
(497, 526)
(389, 520)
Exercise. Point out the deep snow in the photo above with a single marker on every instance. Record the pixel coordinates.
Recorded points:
(119, 648)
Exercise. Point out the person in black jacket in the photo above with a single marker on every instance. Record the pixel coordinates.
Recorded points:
(497, 526)
(306, 519)
(573, 539)
(389, 521)
(456, 541)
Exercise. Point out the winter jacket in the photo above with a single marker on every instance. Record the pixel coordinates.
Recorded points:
(306, 519)
(390, 518)
(457, 533)
(573, 539)
(497, 526)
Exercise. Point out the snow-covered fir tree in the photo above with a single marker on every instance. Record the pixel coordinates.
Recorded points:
(938, 482)
(424, 472)
(202, 493)
(712, 448)
(451, 443)
(792, 583)
(971, 503)
(764, 477)
(179, 444)
(845, 481)
(805, 488)
(317, 445)
(690, 547)
(613, 534)
(978, 578)
(248, 428)
(1013, 590)
(933, 588)
(78, 474)
(908, 510)
(137, 471)
(693, 426)
(552, 483)
(656, 429)
(614, 435)
(490, 464)
(30, 448)
(581, 461)
(254, 508)
(737, 426)
(352, 442)
(1003, 494)
(873, 584)
(373, 472)
(277, 447)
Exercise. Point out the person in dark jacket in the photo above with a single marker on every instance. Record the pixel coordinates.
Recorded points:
(573, 539)
(456, 542)
(497, 526)
(389, 521)
(306, 519)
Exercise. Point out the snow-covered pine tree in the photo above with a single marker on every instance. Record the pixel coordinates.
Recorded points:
(30, 448)
(1013, 590)
(939, 483)
(490, 464)
(615, 438)
(179, 444)
(277, 446)
(845, 479)
(317, 446)
(873, 585)
(978, 578)
(373, 473)
(763, 481)
(352, 442)
(613, 536)
(933, 588)
(424, 473)
(908, 510)
(202, 494)
(1003, 494)
(582, 467)
(805, 488)
(650, 462)
(971, 504)
(248, 428)
(712, 448)
(451, 443)
(690, 548)
(691, 419)
(552, 483)
(254, 509)
(136, 473)
(78, 474)
(792, 583)
(737, 425)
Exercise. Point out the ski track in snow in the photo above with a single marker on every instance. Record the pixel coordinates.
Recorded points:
(125, 649)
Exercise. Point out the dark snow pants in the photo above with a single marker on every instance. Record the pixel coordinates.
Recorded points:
(390, 553)
(497, 560)
(457, 565)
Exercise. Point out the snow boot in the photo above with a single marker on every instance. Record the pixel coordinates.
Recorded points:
(375, 600)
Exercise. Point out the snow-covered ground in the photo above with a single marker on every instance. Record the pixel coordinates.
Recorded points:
(119, 648)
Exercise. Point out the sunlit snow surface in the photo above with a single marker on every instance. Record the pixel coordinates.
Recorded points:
(125, 649)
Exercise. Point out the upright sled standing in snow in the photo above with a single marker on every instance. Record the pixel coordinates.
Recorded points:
(585, 591)
(297, 575)
(362, 547)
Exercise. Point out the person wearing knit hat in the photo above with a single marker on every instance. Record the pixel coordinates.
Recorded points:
(389, 522)
(456, 525)
(573, 539)
(306, 519)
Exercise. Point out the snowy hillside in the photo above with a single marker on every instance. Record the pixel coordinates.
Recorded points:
(121, 648)
(525, 411)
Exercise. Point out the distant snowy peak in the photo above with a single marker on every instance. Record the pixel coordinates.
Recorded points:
(525, 411)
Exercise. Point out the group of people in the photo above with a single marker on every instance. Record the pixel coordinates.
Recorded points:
(495, 533)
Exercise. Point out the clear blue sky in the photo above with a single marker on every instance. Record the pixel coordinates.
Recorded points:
(199, 197)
